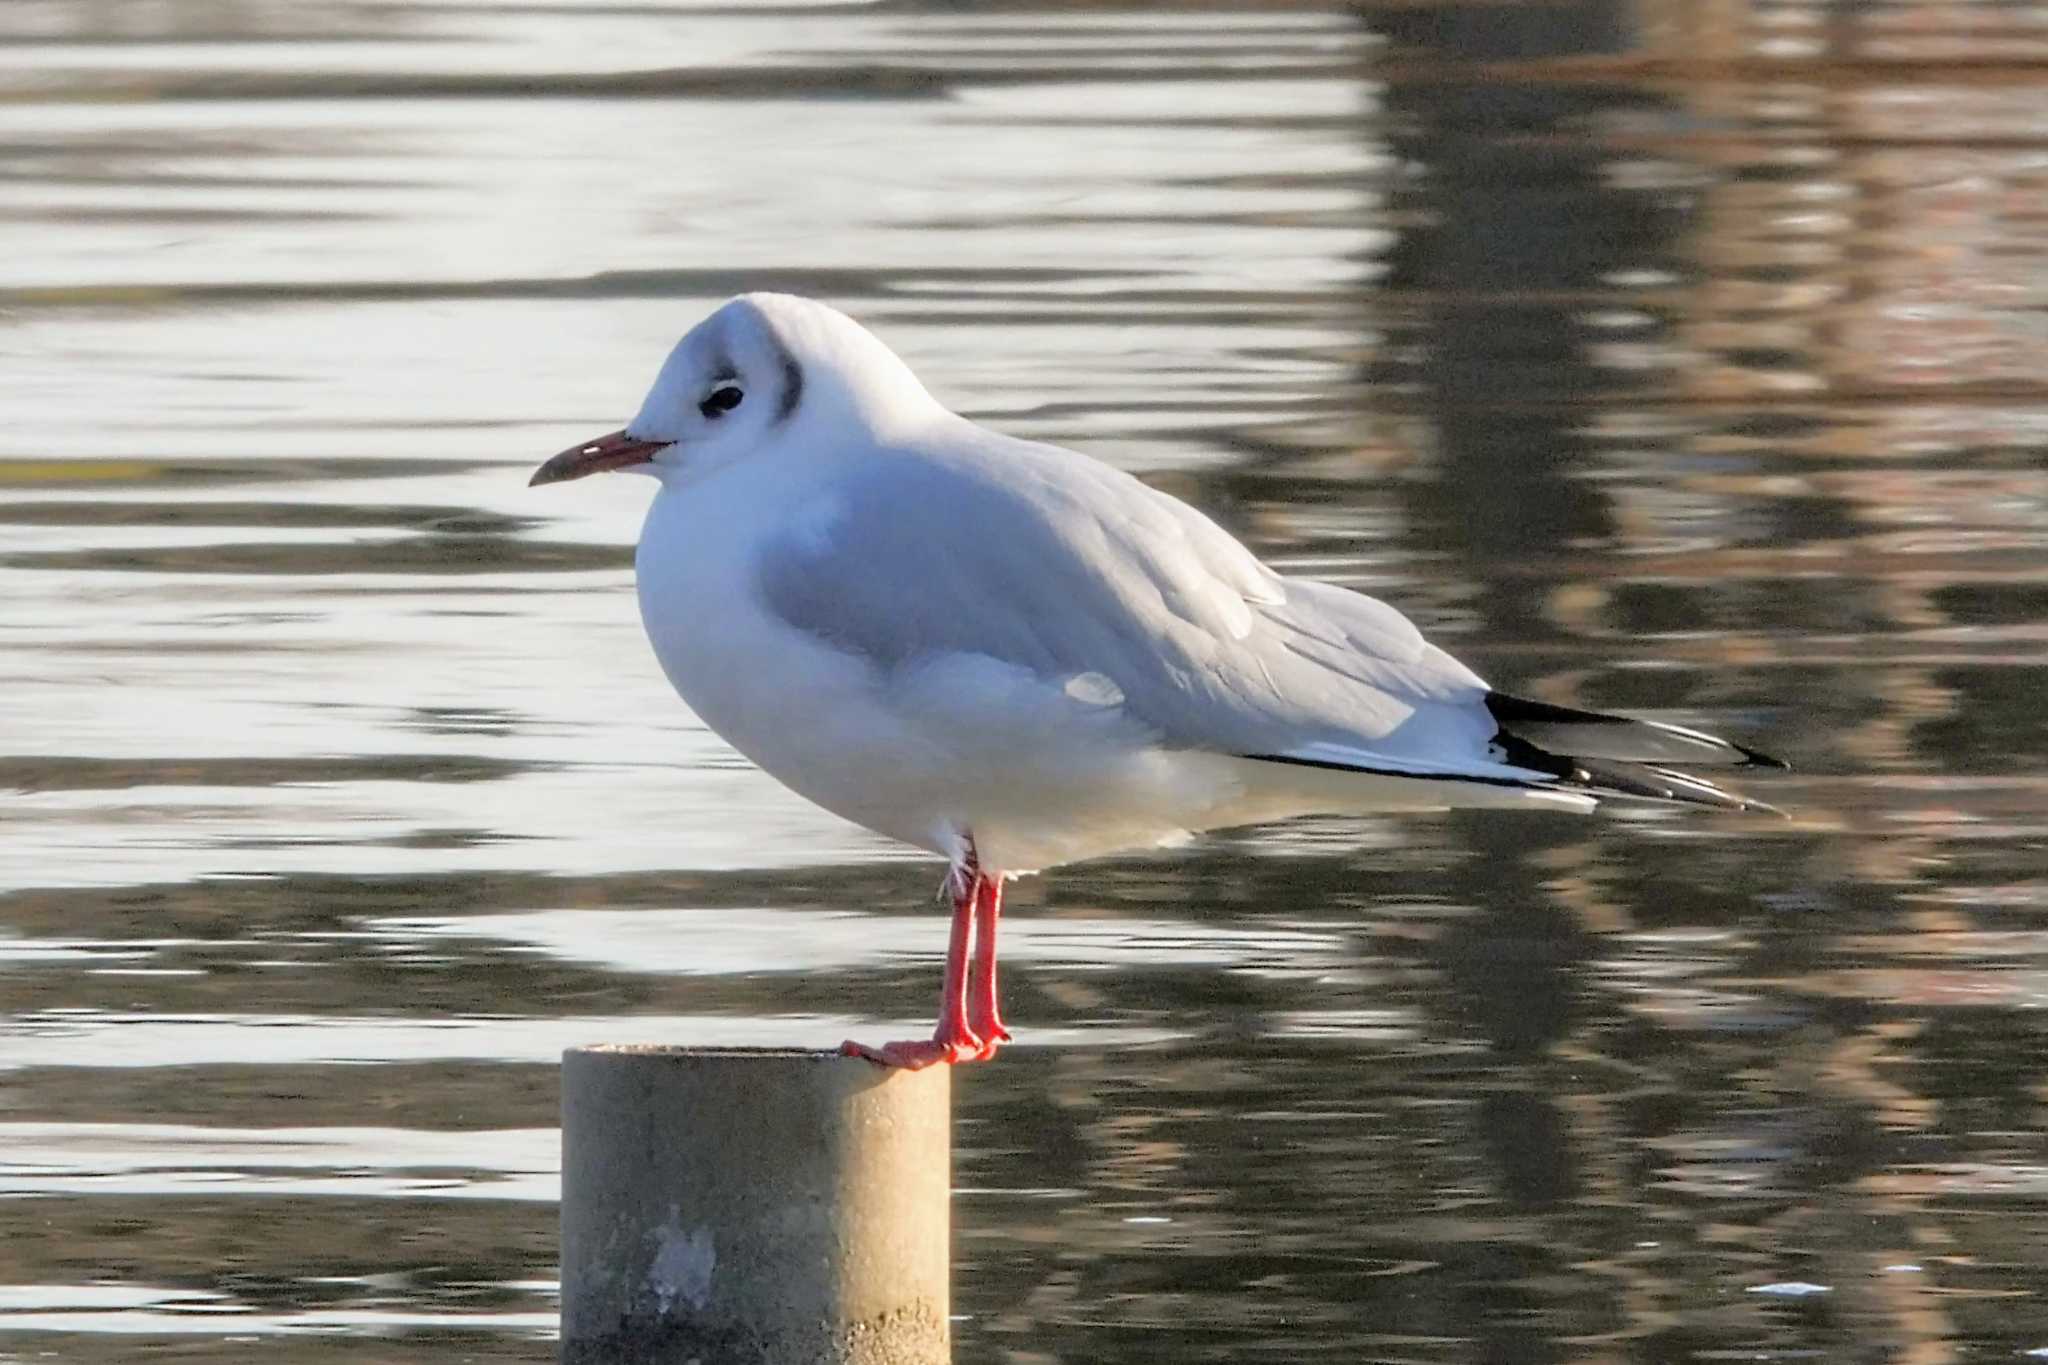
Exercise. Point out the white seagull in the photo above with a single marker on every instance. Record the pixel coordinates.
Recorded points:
(1014, 656)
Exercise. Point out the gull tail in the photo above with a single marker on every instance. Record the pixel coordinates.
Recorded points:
(1604, 755)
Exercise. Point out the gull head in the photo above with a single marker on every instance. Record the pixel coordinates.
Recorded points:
(762, 372)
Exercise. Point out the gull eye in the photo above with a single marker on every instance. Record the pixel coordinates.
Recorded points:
(720, 401)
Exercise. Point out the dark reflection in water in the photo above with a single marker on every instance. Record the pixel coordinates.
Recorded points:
(1683, 358)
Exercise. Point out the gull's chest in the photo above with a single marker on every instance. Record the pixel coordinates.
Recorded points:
(807, 713)
(737, 664)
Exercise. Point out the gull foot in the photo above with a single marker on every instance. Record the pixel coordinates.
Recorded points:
(992, 1034)
(920, 1053)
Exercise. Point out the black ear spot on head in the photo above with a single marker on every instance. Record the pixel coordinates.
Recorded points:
(792, 387)
(721, 400)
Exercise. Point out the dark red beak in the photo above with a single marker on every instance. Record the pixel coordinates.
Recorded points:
(614, 450)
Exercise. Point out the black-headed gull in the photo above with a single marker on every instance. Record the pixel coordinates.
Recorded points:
(1015, 656)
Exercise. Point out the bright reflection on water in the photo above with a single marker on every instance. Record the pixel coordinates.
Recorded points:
(1677, 357)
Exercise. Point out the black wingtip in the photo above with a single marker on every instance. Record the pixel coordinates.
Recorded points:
(1567, 730)
(1757, 758)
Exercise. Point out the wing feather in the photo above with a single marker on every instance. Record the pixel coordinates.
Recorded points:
(1066, 566)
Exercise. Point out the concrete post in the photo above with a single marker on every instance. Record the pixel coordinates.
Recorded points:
(753, 1207)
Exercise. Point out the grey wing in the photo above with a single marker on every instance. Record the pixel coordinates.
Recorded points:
(1058, 564)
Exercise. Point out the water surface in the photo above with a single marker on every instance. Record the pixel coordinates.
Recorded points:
(1672, 357)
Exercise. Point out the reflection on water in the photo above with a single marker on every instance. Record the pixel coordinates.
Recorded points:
(1678, 357)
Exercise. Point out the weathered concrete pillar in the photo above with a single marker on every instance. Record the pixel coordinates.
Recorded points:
(753, 1207)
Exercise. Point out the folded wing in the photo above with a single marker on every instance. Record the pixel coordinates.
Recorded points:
(1050, 562)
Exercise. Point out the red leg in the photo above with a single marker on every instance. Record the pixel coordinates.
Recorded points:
(953, 1040)
(983, 1017)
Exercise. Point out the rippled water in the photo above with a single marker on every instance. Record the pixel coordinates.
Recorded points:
(1679, 357)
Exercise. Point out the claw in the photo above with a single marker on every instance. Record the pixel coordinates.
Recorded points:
(983, 1020)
